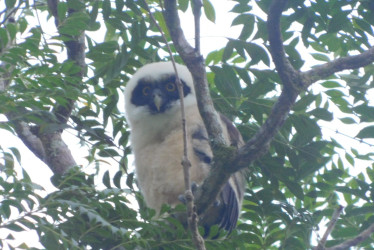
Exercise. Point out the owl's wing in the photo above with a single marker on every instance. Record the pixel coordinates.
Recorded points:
(226, 211)
(233, 191)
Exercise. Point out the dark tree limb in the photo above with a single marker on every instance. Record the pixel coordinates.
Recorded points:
(25, 133)
(23, 130)
(195, 63)
(350, 62)
(285, 70)
(354, 241)
(330, 228)
(76, 53)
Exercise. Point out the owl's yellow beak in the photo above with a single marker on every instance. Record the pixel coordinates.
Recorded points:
(157, 99)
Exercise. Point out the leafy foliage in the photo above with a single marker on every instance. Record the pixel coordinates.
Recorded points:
(292, 190)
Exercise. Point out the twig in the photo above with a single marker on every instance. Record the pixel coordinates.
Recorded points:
(350, 62)
(355, 241)
(197, 4)
(10, 14)
(191, 209)
(330, 228)
(286, 71)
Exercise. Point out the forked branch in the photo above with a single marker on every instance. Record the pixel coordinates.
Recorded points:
(294, 82)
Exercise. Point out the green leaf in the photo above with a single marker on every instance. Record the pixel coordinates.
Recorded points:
(257, 53)
(10, 3)
(130, 180)
(306, 129)
(330, 84)
(347, 120)
(183, 5)
(16, 153)
(242, 19)
(338, 22)
(75, 5)
(367, 132)
(229, 49)
(350, 159)
(295, 188)
(320, 57)
(209, 11)
(304, 102)
(62, 9)
(107, 9)
(117, 179)
(227, 82)
(322, 114)
(333, 93)
(3, 37)
(366, 112)
(106, 179)
(14, 227)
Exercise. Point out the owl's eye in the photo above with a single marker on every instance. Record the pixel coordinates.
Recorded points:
(146, 90)
(170, 87)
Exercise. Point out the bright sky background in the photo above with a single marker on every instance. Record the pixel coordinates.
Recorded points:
(213, 37)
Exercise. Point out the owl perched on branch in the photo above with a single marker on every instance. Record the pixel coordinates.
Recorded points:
(153, 112)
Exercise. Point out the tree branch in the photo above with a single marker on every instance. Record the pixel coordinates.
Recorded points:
(285, 70)
(350, 62)
(330, 228)
(195, 63)
(293, 83)
(197, 5)
(355, 241)
(75, 52)
(22, 129)
(25, 133)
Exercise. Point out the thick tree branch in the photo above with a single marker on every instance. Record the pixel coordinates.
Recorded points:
(22, 129)
(195, 63)
(355, 241)
(75, 52)
(330, 228)
(285, 70)
(27, 136)
(350, 62)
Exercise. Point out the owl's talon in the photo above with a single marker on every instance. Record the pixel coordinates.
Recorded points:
(182, 199)
(194, 187)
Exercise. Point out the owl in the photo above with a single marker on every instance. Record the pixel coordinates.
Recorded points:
(153, 112)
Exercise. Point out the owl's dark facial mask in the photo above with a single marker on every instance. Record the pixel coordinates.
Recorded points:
(157, 95)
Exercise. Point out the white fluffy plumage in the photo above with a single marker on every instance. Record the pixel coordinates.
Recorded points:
(156, 140)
